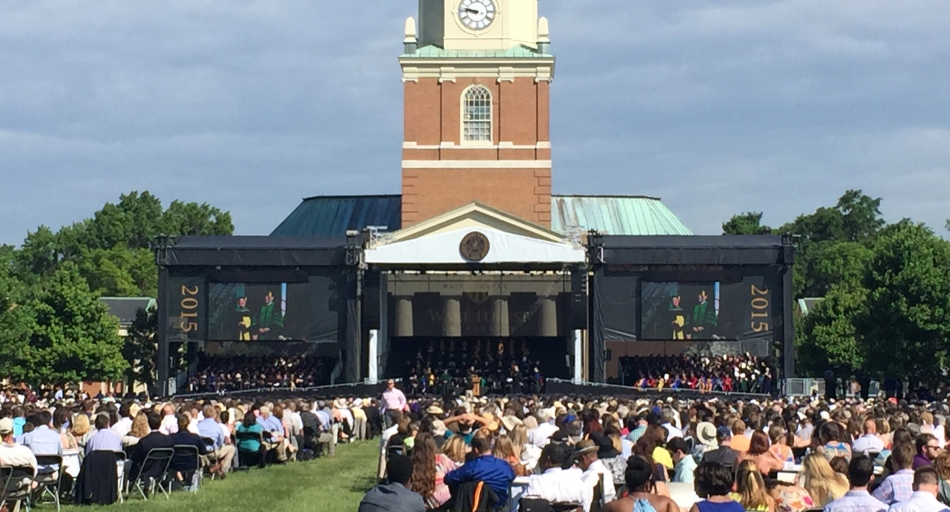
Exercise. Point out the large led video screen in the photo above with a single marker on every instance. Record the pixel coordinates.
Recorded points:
(270, 311)
(706, 310)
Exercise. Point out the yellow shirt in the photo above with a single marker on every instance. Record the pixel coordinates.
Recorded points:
(662, 456)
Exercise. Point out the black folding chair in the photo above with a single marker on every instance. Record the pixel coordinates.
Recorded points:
(245, 457)
(187, 453)
(212, 458)
(162, 457)
(51, 483)
(17, 485)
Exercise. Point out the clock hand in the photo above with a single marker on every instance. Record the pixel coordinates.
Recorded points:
(470, 10)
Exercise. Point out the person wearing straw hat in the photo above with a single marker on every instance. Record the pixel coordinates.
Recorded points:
(585, 453)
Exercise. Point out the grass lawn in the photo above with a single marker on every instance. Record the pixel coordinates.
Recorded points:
(323, 485)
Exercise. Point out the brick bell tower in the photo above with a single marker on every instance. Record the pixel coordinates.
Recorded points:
(477, 76)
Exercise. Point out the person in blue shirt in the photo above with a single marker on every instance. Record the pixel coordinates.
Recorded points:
(210, 428)
(495, 472)
(278, 441)
(19, 419)
(43, 440)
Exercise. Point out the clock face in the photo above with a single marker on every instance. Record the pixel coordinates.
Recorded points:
(477, 14)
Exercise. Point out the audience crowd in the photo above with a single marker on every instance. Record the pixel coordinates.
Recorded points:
(738, 374)
(615, 454)
(73, 444)
(527, 450)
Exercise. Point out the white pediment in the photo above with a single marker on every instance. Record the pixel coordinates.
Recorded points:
(438, 241)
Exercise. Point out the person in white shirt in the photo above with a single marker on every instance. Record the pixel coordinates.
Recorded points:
(869, 442)
(666, 419)
(585, 452)
(384, 442)
(169, 424)
(558, 485)
(541, 436)
(124, 425)
(924, 498)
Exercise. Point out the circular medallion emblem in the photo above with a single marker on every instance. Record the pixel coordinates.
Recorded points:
(474, 246)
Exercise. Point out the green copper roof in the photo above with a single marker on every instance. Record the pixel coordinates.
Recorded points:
(611, 215)
(615, 215)
(434, 52)
(334, 215)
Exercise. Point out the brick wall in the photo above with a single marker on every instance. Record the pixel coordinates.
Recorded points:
(525, 193)
(520, 115)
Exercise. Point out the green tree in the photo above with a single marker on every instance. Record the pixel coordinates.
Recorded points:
(15, 318)
(112, 249)
(120, 272)
(748, 223)
(39, 256)
(906, 322)
(855, 218)
(828, 339)
(195, 219)
(73, 337)
(131, 223)
(140, 347)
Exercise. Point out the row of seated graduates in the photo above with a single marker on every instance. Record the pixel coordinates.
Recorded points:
(448, 366)
(221, 374)
(742, 373)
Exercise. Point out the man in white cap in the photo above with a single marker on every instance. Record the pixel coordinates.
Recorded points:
(11, 453)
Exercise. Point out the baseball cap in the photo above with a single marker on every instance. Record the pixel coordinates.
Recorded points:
(6, 426)
(723, 433)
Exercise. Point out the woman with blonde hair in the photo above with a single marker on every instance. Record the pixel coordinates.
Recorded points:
(80, 430)
(529, 453)
(751, 492)
(455, 449)
(821, 482)
(505, 451)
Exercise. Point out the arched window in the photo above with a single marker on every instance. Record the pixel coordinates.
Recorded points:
(476, 115)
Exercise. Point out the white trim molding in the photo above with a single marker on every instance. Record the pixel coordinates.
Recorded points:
(476, 164)
(446, 74)
(470, 145)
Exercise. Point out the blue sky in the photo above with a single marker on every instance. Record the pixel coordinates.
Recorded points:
(716, 107)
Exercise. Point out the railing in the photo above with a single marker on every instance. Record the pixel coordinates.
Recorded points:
(272, 390)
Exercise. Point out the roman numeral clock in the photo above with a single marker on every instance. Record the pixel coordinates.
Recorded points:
(477, 14)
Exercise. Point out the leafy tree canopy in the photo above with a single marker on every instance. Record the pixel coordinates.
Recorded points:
(886, 290)
(53, 327)
(749, 223)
